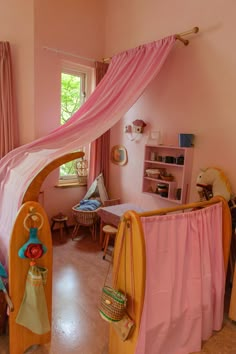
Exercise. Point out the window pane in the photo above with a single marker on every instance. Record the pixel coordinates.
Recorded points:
(72, 98)
(70, 95)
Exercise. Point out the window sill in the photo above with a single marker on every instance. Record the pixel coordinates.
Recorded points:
(70, 185)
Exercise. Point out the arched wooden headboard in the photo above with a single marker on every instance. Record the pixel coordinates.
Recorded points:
(18, 267)
(32, 192)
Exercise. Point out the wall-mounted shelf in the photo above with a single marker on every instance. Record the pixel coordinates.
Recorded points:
(176, 161)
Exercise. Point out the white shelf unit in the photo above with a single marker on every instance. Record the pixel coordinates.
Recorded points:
(181, 172)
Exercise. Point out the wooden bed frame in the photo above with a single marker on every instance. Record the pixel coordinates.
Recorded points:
(20, 337)
(116, 346)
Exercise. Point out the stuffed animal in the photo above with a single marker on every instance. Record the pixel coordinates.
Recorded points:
(215, 180)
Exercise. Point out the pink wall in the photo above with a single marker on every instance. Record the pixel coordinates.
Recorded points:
(75, 27)
(17, 27)
(193, 94)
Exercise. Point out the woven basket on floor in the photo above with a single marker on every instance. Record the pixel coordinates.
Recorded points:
(83, 217)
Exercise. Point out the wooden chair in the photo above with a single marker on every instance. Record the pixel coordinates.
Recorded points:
(108, 202)
(61, 221)
(109, 231)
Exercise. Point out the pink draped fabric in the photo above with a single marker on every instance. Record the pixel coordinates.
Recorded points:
(99, 158)
(128, 75)
(8, 121)
(100, 148)
(185, 281)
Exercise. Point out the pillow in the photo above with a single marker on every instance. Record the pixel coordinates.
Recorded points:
(88, 204)
(101, 188)
(98, 189)
(92, 190)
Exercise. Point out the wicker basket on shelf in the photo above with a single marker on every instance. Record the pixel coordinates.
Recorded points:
(168, 178)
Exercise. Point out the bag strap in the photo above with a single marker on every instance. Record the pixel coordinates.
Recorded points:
(116, 272)
(118, 260)
(129, 225)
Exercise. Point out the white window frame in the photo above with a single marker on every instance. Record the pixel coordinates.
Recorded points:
(87, 75)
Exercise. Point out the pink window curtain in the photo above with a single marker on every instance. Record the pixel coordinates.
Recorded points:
(99, 149)
(8, 122)
(128, 75)
(185, 281)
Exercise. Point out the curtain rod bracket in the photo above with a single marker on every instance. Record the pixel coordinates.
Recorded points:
(106, 59)
(180, 35)
(184, 41)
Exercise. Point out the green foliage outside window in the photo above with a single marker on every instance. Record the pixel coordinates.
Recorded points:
(71, 101)
(70, 96)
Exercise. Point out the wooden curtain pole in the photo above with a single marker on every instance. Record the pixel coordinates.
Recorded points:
(177, 36)
(180, 35)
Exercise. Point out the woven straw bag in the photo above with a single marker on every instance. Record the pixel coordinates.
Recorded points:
(113, 301)
(113, 304)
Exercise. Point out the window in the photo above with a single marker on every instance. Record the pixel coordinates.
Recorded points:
(76, 85)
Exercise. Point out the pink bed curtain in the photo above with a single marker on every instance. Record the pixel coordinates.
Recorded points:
(8, 121)
(100, 148)
(185, 281)
(128, 75)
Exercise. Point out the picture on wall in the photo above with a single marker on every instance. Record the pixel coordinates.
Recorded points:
(119, 155)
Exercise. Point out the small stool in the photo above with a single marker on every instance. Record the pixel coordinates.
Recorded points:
(109, 231)
(62, 221)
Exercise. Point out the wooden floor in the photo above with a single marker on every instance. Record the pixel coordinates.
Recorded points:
(79, 273)
(78, 276)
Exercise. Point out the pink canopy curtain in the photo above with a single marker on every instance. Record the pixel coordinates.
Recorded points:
(99, 149)
(185, 281)
(128, 75)
(8, 121)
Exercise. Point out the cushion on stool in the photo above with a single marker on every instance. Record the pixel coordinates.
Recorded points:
(109, 229)
(60, 217)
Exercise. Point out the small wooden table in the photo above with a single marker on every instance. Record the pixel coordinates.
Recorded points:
(111, 215)
(62, 221)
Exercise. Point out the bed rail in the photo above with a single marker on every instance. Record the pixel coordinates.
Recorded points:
(116, 346)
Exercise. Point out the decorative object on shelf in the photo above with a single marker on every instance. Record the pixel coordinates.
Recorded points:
(167, 172)
(135, 130)
(169, 159)
(153, 173)
(119, 155)
(154, 137)
(178, 193)
(179, 160)
(212, 182)
(167, 177)
(162, 190)
(82, 170)
(186, 140)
